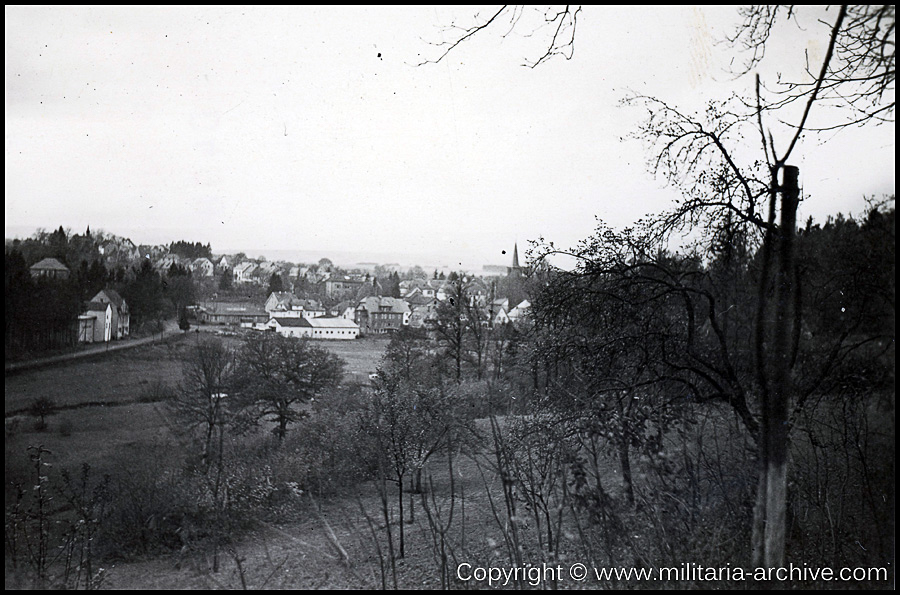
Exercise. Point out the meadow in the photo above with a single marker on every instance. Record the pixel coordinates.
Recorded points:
(310, 511)
(112, 400)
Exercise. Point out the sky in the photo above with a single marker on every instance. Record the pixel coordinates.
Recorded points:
(314, 129)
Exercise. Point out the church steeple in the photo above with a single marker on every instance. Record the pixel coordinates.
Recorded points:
(515, 270)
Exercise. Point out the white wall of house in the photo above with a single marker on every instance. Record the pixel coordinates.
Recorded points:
(334, 328)
(86, 328)
(102, 326)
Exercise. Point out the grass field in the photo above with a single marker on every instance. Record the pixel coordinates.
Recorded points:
(83, 430)
(126, 376)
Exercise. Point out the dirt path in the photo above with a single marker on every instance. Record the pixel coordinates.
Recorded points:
(170, 329)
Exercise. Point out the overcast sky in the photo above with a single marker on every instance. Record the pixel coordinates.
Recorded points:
(312, 128)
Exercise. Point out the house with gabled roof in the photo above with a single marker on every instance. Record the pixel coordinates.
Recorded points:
(379, 315)
(280, 303)
(49, 268)
(166, 262)
(416, 298)
(345, 310)
(310, 308)
(315, 328)
(343, 285)
(422, 315)
(499, 317)
(520, 311)
(121, 318)
(100, 330)
(266, 269)
(203, 267)
(242, 272)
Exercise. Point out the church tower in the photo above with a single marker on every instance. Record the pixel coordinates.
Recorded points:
(515, 270)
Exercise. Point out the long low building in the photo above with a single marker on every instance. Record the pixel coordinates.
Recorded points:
(236, 313)
(314, 328)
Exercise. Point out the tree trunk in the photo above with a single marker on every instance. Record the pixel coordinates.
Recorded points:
(400, 516)
(625, 461)
(769, 523)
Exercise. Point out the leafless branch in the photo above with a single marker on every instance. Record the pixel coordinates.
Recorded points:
(560, 21)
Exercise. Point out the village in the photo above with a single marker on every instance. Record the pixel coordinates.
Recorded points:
(320, 301)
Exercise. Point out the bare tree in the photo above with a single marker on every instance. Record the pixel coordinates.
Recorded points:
(277, 373)
(697, 153)
(201, 401)
(857, 77)
(857, 74)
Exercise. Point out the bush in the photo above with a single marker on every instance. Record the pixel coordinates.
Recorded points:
(155, 392)
(42, 407)
(65, 428)
(153, 506)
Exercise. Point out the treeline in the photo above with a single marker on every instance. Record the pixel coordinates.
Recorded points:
(191, 250)
(40, 314)
(69, 249)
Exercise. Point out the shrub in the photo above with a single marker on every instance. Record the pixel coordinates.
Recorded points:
(42, 407)
(155, 392)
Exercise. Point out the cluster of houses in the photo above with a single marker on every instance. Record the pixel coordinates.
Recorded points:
(105, 317)
(246, 272)
(291, 316)
(359, 313)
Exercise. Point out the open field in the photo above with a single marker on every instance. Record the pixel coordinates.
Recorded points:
(362, 356)
(125, 384)
(118, 377)
(124, 377)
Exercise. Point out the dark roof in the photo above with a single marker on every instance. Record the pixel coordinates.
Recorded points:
(420, 300)
(294, 321)
(113, 297)
(374, 303)
(49, 264)
(234, 308)
(96, 307)
(309, 304)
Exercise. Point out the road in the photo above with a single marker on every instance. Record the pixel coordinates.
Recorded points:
(169, 328)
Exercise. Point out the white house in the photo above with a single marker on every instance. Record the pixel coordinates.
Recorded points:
(333, 328)
(315, 328)
(101, 329)
(121, 318)
(290, 327)
(243, 271)
(345, 310)
(203, 267)
(519, 311)
(280, 304)
(310, 308)
(500, 317)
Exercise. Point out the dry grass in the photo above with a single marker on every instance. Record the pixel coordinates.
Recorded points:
(310, 554)
(119, 377)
